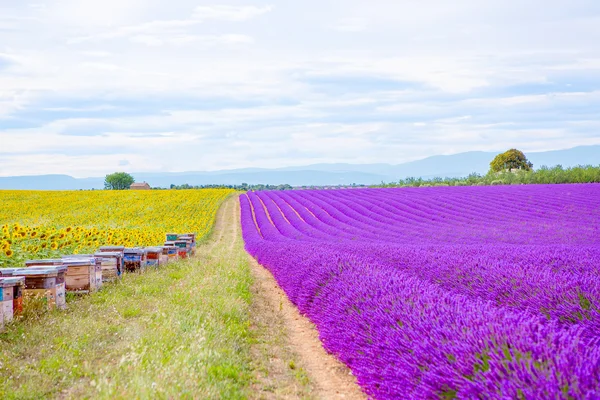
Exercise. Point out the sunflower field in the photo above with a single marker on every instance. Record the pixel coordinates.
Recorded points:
(47, 224)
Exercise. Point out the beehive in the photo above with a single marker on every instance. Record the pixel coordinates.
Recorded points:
(153, 256)
(115, 249)
(41, 284)
(135, 260)
(164, 255)
(171, 250)
(61, 270)
(84, 273)
(11, 298)
(7, 273)
(192, 236)
(110, 262)
(183, 248)
(171, 237)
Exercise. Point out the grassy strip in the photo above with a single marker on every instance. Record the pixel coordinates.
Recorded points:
(178, 332)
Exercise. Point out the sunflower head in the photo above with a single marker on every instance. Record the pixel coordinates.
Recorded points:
(54, 245)
(9, 253)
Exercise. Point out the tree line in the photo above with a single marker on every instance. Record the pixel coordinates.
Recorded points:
(542, 175)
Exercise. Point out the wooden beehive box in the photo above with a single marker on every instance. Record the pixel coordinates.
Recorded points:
(84, 273)
(153, 256)
(114, 249)
(171, 236)
(61, 270)
(110, 263)
(164, 255)
(11, 298)
(183, 248)
(41, 284)
(192, 237)
(172, 251)
(135, 260)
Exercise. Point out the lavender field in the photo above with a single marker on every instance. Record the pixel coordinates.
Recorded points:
(489, 292)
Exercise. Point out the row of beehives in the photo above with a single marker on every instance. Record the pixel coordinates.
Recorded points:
(49, 280)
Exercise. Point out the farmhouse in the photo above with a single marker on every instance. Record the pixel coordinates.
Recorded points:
(139, 186)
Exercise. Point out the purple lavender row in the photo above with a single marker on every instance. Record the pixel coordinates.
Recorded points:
(294, 218)
(515, 228)
(518, 203)
(567, 232)
(268, 231)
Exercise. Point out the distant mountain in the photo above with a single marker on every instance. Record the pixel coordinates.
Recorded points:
(455, 165)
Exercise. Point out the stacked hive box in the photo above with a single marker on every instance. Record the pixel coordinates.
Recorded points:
(172, 251)
(110, 263)
(171, 237)
(11, 300)
(52, 265)
(41, 284)
(135, 260)
(182, 248)
(192, 238)
(115, 249)
(84, 273)
(153, 256)
(164, 255)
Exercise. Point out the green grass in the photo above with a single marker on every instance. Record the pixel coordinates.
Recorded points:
(178, 332)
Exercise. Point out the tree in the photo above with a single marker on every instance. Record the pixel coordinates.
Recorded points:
(118, 181)
(509, 160)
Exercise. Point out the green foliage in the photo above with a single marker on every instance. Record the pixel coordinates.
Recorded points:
(118, 181)
(543, 175)
(509, 160)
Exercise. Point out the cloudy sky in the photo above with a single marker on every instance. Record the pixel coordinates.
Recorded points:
(88, 87)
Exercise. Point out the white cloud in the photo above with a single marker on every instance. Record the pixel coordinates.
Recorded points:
(181, 40)
(279, 83)
(149, 31)
(351, 25)
(229, 13)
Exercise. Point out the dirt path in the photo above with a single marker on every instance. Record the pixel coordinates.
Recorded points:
(220, 222)
(297, 366)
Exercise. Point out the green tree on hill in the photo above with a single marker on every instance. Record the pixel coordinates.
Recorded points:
(509, 160)
(118, 181)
